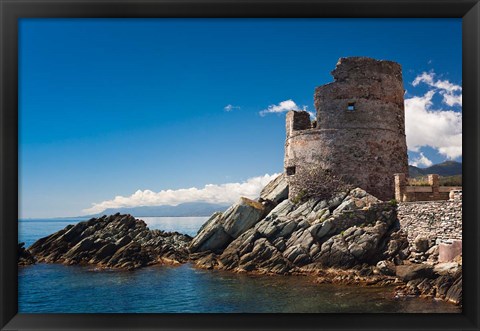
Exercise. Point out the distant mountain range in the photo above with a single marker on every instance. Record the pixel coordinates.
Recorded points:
(181, 210)
(447, 168)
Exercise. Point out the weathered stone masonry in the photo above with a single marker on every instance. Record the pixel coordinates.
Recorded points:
(435, 220)
(359, 132)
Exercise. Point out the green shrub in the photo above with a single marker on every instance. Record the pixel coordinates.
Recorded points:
(393, 202)
(299, 197)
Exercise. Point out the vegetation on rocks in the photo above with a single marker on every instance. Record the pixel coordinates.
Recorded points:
(320, 184)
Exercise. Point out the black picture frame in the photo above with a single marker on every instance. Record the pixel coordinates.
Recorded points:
(12, 10)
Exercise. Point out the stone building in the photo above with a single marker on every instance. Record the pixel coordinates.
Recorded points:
(358, 136)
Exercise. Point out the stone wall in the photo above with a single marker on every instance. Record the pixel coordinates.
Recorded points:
(435, 220)
(432, 192)
(359, 135)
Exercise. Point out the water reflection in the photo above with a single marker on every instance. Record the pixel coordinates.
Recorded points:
(57, 288)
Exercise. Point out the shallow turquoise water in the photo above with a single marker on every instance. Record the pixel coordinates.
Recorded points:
(51, 288)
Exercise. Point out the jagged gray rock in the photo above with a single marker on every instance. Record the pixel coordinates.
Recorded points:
(211, 236)
(221, 229)
(24, 255)
(454, 293)
(421, 244)
(275, 191)
(348, 229)
(116, 241)
(414, 271)
(242, 216)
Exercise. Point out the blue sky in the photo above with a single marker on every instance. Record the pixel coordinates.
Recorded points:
(131, 108)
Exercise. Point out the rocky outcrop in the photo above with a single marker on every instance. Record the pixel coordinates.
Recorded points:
(275, 191)
(347, 230)
(24, 256)
(350, 238)
(116, 241)
(442, 281)
(425, 274)
(221, 229)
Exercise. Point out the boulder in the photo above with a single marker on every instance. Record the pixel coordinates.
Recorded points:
(242, 216)
(421, 244)
(446, 268)
(386, 267)
(276, 190)
(221, 229)
(212, 238)
(410, 272)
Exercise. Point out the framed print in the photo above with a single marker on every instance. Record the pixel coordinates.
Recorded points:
(239, 165)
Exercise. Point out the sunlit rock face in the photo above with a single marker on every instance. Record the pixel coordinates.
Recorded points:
(348, 229)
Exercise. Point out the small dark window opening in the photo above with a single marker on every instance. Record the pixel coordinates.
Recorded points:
(290, 171)
(351, 106)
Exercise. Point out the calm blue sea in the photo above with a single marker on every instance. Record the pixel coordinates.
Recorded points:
(52, 288)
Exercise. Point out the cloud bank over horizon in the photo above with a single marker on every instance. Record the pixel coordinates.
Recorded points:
(213, 193)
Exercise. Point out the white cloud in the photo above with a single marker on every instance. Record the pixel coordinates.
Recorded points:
(426, 78)
(214, 193)
(421, 160)
(451, 93)
(439, 129)
(451, 99)
(282, 107)
(230, 107)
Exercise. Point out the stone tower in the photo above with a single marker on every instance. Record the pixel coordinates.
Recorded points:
(359, 133)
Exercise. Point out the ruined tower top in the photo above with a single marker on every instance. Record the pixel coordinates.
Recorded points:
(371, 92)
(365, 68)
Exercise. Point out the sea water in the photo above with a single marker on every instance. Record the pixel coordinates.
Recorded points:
(55, 288)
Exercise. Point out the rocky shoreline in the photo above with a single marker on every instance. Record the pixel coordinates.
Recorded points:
(350, 238)
(116, 242)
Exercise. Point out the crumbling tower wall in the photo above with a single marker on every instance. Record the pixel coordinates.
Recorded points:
(359, 133)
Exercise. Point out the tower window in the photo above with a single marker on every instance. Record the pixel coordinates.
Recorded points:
(290, 171)
(351, 106)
